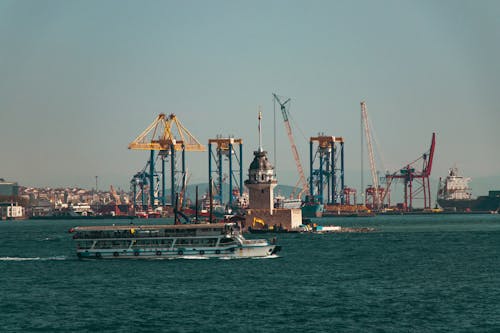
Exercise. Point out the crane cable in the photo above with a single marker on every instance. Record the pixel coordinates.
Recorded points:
(295, 125)
(377, 146)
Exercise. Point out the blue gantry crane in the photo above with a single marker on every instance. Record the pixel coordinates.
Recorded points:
(225, 149)
(325, 155)
(167, 136)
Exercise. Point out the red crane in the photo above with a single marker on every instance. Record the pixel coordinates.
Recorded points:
(409, 175)
(302, 178)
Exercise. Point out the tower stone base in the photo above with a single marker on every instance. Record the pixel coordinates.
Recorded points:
(284, 219)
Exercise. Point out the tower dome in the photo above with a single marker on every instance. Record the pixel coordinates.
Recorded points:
(260, 170)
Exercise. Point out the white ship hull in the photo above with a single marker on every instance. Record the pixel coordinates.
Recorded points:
(239, 252)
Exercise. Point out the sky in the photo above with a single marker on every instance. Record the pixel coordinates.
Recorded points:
(79, 80)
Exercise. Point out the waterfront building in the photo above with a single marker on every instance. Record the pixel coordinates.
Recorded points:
(8, 189)
(11, 211)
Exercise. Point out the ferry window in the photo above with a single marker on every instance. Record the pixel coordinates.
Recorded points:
(95, 234)
(119, 243)
(227, 241)
(122, 234)
(84, 244)
(144, 242)
(165, 242)
(183, 242)
(104, 244)
(208, 242)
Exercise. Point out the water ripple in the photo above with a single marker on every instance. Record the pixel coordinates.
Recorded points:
(33, 259)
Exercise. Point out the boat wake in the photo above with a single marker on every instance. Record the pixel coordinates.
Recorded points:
(272, 256)
(32, 259)
(182, 257)
(195, 258)
(52, 239)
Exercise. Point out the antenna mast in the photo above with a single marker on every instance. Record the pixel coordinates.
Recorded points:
(260, 130)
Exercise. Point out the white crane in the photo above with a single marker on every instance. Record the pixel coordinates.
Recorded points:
(373, 169)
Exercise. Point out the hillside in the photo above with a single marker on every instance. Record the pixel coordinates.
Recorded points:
(284, 190)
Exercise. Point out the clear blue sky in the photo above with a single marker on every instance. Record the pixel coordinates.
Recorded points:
(79, 80)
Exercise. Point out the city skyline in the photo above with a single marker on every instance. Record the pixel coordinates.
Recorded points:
(80, 80)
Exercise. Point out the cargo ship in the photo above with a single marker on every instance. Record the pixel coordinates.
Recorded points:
(454, 194)
(312, 208)
(286, 203)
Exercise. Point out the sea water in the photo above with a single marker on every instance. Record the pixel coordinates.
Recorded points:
(413, 274)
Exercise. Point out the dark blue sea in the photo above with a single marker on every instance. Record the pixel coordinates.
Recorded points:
(413, 274)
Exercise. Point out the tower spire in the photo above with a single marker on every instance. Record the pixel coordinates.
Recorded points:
(260, 129)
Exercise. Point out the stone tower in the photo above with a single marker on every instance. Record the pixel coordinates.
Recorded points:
(261, 181)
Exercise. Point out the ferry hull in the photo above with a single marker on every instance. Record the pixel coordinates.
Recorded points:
(233, 252)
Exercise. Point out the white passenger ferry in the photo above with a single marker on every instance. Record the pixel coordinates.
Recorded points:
(168, 241)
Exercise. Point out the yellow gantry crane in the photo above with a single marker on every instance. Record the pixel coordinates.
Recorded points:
(160, 135)
(167, 135)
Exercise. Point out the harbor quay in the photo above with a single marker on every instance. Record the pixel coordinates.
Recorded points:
(277, 220)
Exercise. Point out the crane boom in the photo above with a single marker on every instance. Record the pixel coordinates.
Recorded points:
(373, 168)
(409, 174)
(302, 178)
(428, 167)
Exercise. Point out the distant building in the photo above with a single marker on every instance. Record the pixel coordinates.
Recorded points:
(42, 208)
(11, 211)
(8, 188)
